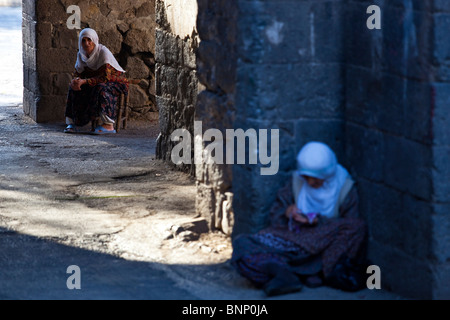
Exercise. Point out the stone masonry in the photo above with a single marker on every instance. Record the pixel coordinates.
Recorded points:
(379, 98)
(126, 27)
(398, 138)
(177, 85)
(313, 70)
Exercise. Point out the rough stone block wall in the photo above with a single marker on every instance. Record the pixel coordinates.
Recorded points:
(216, 65)
(177, 84)
(440, 132)
(30, 80)
(289, 75)
(397, 140)
(127, 28)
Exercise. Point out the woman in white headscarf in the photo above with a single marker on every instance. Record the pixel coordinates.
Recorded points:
(97, 83)
(316, 234)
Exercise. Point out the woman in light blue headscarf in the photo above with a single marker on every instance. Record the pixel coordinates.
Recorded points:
(316, 234)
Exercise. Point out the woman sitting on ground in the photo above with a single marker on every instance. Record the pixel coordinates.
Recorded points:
(97, 83)
(315, 230)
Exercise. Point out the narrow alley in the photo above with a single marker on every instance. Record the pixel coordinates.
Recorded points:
(106, 205)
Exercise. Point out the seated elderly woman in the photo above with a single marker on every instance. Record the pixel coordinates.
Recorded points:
(315, 232)
(97, 83)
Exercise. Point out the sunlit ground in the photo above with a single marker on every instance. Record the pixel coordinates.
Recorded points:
(11, 74)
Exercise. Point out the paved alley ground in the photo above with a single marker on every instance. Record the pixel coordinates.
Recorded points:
(104, 204)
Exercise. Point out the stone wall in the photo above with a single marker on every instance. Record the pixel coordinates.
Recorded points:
(379, 98)
(397, 141)
(177, 85)
(289, 75)
(126, 27)
(216, 65)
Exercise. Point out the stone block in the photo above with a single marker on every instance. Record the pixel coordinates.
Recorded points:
(441, 173)
(441, 236)
(138, 96)
(359, 46)
(205, 204)
(382, 208)
(164, 107)
(419, 112)
(147, 9)
(46, 83)
(391, 113)
(30, 79)
(29, 103)
(267, 89)
(402, 274)
(50, 11)
(441, 289)
(111, 38)
(61, 83)
(51, 108)
(63, 60)
(407, 166)
(329, 131)
(29, 32)
(254, 195)
(417, 226)
(292, 32)
(364, 96)
(189, 60)
(141, 36)
(136, 68)
(168, 77)
(29, 57)
(29, 8)
(207, 24)
(441, 48)
(169, 51)
(397, 220)
(205, 55)
(441, 119)
(364, 150)
(63, 38)
(406, 42)
(441, 5)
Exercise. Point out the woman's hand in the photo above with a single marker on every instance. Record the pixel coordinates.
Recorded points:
(77, 83)
(296, 214)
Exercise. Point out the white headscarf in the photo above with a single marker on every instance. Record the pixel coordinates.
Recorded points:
(317, 160)
(99, 56)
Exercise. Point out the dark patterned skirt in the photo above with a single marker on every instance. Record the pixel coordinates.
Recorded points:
(91, 102)
(316, 250)
(253, 253)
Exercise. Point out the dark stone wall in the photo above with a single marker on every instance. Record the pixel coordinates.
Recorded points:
(397, 138)
(379, 98)
(176, 85)
(216, 67)
(290, 77)
(126, 27)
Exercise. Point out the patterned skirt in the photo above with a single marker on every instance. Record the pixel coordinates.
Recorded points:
(253, 253)
(92, 102)
(315, 249)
